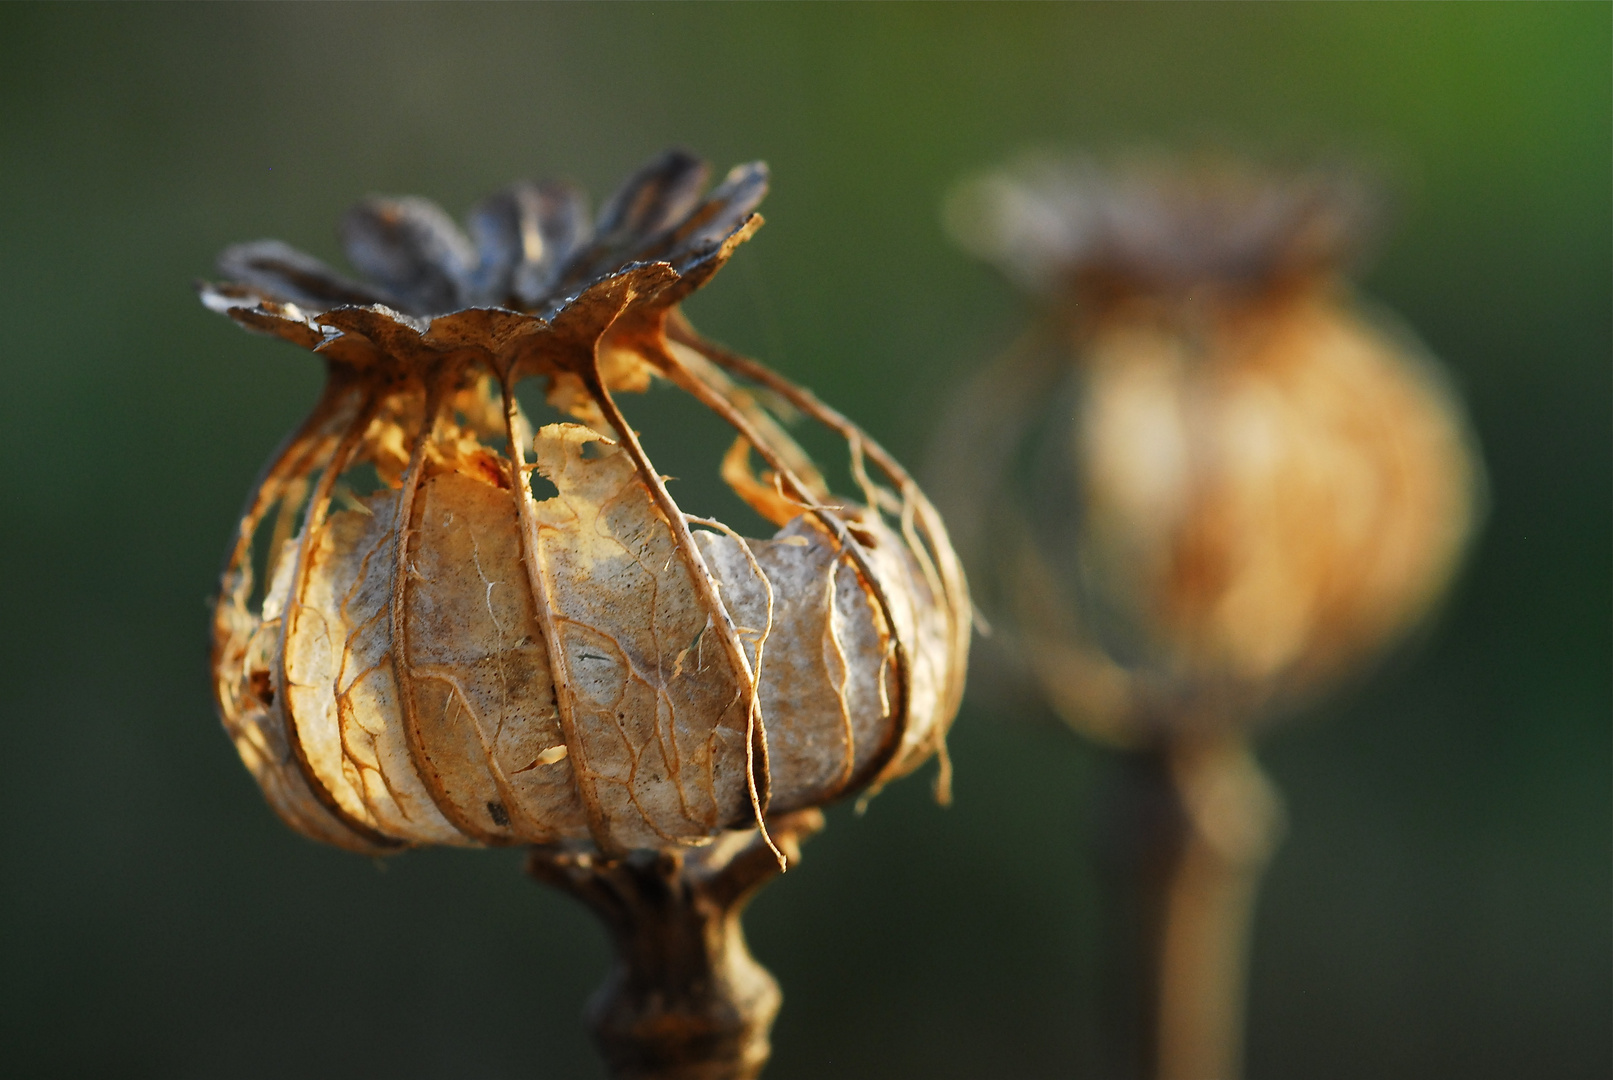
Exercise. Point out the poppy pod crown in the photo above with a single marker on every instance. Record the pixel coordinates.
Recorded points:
(417, 643)
(1150, 227)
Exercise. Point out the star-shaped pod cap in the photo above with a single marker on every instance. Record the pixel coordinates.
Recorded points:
(1160, 226)
(528, 281)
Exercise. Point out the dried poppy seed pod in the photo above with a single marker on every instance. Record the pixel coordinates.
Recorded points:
(1232, 482)
(433, 653)
(1212, 484)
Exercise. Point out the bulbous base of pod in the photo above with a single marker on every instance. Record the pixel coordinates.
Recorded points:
(1190, 518)
(685, 1000)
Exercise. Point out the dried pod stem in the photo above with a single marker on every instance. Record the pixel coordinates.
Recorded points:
(685, 999)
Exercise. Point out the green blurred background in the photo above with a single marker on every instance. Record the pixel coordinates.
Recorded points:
(1441, 907)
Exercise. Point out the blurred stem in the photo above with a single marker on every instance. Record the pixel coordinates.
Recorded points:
(685, 1000)
(1231, 818)
(1189, 826)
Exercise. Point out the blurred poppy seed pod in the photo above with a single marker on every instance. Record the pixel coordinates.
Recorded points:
(1215, 479)
(417, 642)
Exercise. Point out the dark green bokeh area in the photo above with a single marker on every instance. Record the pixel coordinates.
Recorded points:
(1441, 907)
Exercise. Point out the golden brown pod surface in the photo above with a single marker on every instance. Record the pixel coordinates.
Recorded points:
(461, 630)
(1218, 480)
